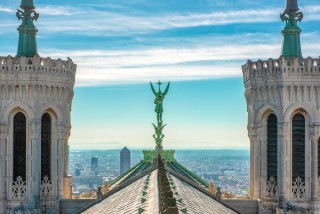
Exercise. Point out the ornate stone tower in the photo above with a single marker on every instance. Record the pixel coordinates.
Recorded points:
(283, 104)
(35, 104)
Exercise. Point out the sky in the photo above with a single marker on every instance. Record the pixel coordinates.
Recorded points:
(122, 45)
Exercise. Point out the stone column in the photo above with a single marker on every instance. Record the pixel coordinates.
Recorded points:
(65, 183)
(255, 138)
(284, 184)
(36, 161)
(314, 169)
(251, 193)
(3, 167)
(60, 172)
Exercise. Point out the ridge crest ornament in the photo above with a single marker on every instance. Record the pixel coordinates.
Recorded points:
(158, 101)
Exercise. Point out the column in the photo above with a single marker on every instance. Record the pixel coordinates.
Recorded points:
(255, 138)
(35, 162)
(284, 183)
(60, 161)
(314, 168)
(251, 194)
(3, 167)
(64, 180)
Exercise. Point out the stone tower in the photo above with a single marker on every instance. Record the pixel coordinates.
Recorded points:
(283, 104)
(35, 104)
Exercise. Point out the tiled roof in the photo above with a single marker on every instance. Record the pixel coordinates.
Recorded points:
(191, 200)
(159, 190)
(139, 197)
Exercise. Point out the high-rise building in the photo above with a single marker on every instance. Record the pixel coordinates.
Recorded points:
(125, 160)
(35, 105)
(283, 104)
(77, 170)
(94, 165)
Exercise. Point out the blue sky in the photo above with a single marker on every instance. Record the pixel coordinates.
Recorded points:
(121, 45)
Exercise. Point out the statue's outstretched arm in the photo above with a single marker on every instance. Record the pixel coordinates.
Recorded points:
(153, 90)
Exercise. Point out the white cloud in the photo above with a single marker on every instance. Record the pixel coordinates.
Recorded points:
(99, 67)
(5, 9)
(98, 22)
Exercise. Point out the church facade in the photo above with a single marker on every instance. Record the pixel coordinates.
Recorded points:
(35, 103)
(283, 104)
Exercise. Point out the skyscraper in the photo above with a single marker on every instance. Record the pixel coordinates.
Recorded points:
(125, 159)
(94, 165)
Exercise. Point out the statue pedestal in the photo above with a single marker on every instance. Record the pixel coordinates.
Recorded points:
(159, 149)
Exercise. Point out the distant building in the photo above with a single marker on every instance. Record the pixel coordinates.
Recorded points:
(125, 159)
(94, 165)
(77, 170)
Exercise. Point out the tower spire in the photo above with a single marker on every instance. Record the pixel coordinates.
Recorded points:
(291, 46)
(27, 31)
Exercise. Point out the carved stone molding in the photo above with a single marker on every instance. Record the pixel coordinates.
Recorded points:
(45, 188)
(298, 190)
(272, 187)
(19, 189)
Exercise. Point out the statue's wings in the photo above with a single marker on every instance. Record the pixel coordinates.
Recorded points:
(153, 90)
(167, 89)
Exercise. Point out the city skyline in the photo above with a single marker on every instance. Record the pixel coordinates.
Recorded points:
(199, 46)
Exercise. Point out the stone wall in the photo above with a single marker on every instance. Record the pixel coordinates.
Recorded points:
(71, 206)
(246, 206)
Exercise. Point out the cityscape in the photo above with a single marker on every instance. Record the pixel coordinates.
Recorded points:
(228, 169)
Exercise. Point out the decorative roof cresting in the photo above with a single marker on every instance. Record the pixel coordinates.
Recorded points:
(27, 31)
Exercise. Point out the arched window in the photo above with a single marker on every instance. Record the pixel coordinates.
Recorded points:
(272, 138)
(45, 145)
(298, 147)
(19, 146)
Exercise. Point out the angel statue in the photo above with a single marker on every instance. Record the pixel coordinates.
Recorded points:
(159, 100)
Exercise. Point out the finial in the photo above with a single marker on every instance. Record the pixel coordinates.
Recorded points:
(291, 46)
(27, 4)
(27, 31)
(291, 6)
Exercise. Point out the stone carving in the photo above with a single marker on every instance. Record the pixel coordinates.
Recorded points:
(271, 187)
(45, 188)
(298, 190)
(19, 189)
(22, 210)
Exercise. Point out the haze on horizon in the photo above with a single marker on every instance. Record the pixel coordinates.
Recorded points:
(121, 45)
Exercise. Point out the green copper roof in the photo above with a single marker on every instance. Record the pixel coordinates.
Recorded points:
(291, 46)
(27, 31)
